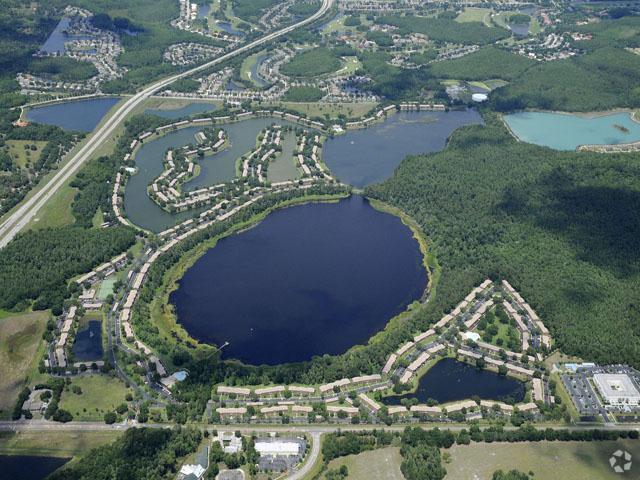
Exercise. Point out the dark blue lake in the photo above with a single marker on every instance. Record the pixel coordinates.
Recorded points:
(76, 115)
(28, 467)
(450, 380)
(308, 280)
(88, 344)
(370, 155)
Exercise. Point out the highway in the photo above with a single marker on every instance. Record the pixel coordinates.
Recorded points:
(29, 208)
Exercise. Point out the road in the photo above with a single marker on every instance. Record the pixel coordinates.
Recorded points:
(29, 208)
(39, 425)
(310, 460)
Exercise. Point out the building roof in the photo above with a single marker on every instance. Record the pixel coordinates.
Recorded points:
(615, 385)
(277, 448)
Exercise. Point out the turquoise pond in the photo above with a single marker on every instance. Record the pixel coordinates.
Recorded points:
(567, 132)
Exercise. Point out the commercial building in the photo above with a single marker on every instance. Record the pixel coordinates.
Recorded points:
(617, 389)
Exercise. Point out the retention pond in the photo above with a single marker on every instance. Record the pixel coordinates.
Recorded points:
(450, 380)
(76, 115)
(567, 132)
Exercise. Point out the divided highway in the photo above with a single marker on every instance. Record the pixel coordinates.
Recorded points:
(23, 215)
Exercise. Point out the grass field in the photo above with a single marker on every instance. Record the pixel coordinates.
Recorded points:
(21, 156)
(381, 463)
(284, 167)
(100, 394)
(351, 110)
(53, 444)
(20, 350)
(56, 212)
(547, 460)
(474, 14)
(349, 66)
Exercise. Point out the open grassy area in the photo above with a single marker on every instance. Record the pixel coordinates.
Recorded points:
(21, 346)
(474, 14)
(54, 443)
(547, 460)
(381, 463)
(25, 157)
(284, 166)
(100, 394)
(312, 63)
(349, 66)
(314, 109)
(56, 212)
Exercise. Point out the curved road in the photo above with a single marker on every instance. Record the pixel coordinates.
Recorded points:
(23, 215)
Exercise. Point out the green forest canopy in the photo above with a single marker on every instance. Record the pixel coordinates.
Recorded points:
(446, 29)
(141, 453)
(563, 227)
(36, 265)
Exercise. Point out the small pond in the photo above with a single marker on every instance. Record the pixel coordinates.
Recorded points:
(29, 467)
(567, 131)
(74, 115)
(227, 27)
(450, 380)
(88, 344)
(307, 280)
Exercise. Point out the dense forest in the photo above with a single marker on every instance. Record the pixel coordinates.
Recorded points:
(141, 453)
(485, 64)
(445, 29)
(36, 265)
(563, 227)
(604, 79)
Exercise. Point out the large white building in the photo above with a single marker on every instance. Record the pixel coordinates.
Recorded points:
(278, 448)
(617, 389)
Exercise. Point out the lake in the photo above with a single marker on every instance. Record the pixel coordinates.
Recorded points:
(308, 280)
(255, 75)
(203, 10)
(87, 346)
(214, 169)
(29, 467)
(228, 28)
(567, 132)
(55, 43)
(186, 111)
(75, 115)
(370, 155)
(450, 380)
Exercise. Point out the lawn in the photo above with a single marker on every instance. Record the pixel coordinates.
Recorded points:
(474, 14)
(312, 63)
(381, 463)
(54, 443)
(284, 167)
(25, 157)
(547, 460)
(351, 110)
(57, 211)
(21, 346)
(349, 66)
(100, 394)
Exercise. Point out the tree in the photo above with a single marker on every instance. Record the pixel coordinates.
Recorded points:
(110, 418)
(510, 475)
